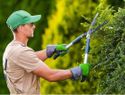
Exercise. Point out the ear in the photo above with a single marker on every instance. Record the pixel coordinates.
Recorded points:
(19, 28)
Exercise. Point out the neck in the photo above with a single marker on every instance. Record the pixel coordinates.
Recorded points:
(21, 39)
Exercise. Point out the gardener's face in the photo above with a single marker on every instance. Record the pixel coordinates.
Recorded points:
(28, 30)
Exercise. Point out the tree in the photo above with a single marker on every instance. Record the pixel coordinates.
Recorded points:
(108, 70)
(111, 58)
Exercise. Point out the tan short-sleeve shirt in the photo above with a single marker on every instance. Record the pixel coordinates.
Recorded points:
(21, 61)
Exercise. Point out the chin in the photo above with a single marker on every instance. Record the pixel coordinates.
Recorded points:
(31, 36)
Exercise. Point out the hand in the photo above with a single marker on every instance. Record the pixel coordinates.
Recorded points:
(58, 49)
(85, 69)
(80, 71)
(61, 49)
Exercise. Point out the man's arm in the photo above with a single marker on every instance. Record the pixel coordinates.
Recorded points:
(42, 55)
(50, 50)
(52, 75)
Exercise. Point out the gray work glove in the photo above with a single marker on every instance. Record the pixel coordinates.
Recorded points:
(51, 49)
(80, 71)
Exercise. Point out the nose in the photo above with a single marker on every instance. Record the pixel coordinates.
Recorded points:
(34, 26)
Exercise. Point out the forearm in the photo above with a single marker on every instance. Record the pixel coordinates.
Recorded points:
(58, 75)
(41, 54)
(52, 74)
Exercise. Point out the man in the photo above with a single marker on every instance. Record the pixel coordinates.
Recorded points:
(23, 66)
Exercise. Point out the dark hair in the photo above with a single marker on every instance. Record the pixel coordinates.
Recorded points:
(15, 30)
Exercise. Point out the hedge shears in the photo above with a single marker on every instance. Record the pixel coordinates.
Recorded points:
(87, 34)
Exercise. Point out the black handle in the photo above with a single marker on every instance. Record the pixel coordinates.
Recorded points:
(84, 78)
(77, 40)
(57, 55)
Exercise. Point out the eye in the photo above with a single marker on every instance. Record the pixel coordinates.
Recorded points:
(31, 24)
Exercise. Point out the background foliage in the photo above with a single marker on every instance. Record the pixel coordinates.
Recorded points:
(62, 21)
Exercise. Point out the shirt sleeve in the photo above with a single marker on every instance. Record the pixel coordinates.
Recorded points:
(28, 60)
